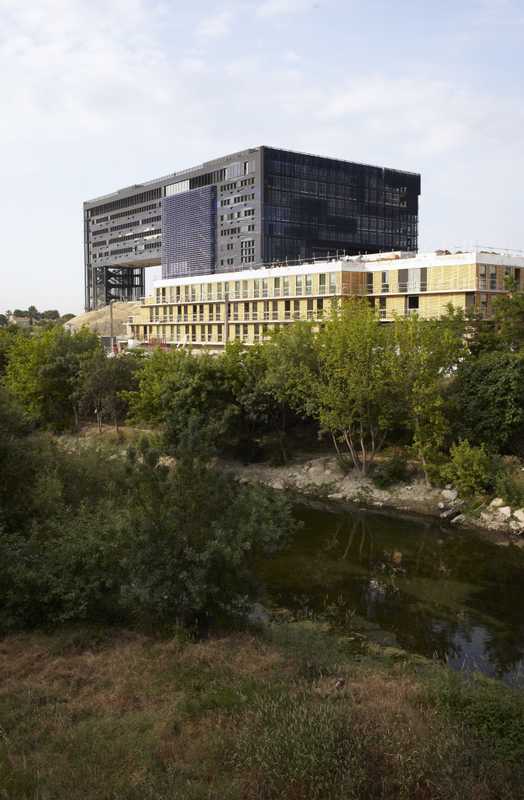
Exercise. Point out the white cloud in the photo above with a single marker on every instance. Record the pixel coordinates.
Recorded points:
(215, 26)
(277, 8)
(94, 95)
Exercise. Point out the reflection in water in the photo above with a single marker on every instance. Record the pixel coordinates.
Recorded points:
(438, 592)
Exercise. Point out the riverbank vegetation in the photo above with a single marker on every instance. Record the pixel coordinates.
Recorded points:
(104, 713)
(125, 573)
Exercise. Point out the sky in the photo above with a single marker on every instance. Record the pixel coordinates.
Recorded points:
(100, 94)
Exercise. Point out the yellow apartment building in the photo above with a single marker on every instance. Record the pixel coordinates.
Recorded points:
(207, 311)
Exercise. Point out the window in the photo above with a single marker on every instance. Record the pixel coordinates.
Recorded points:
(412, 304)
(309, 284)
(322, 283)
(385, 282)
(276, 287)
(332, 283)
(285, 287)
(310, 308)
(369, 283)
(298, 284)
(493, 278)
(482, 276)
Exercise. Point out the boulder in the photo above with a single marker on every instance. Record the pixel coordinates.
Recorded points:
(449, 494)
(504, 511)
(458, 520)
(496, 503)
(519, 515)
(516, 527)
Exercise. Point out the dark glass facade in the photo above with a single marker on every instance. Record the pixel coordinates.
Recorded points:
(189, 232)
(253, 207)
(314, 207)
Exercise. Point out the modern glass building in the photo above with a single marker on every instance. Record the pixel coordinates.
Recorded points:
(257, 207)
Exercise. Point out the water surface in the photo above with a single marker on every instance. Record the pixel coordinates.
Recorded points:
(414, 584)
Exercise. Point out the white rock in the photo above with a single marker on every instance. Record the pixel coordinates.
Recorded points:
(441, 505)
(496, 503)
(336, 496)
(458, 520)
(505, 512)
(519, 514)
(515, 526)
(449, 494)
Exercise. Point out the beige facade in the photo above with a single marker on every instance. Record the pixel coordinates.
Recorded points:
(210, 310)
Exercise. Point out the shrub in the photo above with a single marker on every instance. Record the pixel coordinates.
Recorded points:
(148, 542)
(469, 469)
(392, 471)
(509, 487)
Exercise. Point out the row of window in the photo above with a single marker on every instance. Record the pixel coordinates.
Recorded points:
(126, 202)
(262, 287)
(248, 311)
(248, 212)
(137, 235)
(241, 198)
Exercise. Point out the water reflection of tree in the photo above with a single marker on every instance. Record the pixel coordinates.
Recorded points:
(486, 582)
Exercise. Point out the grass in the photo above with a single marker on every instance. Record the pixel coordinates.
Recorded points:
(293, 713)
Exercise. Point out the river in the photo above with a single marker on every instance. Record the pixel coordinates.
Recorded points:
(408, 583)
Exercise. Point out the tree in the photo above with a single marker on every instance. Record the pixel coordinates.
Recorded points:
(262, 416)
(293, 367)
(3, 321)
(104, 383)
(426, 353)
(356, 397)
(508, 313)
(43, 374)
(488, 394)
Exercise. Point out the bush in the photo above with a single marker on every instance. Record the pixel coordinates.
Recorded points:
(392, 471)
(140, 540)
(510, 487)
(470, 469)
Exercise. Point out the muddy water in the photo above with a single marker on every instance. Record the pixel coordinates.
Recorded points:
(410, 583)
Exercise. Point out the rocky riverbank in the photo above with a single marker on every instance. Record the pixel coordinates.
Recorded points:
(323, 477)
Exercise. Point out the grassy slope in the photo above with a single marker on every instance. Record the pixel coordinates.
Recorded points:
(294, 713)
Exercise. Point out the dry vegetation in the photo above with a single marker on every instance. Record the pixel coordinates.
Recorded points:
(100, 713)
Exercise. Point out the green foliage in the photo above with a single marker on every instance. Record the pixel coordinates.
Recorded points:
(489, 710)
(510, 486)
(43, 374)
(97, 539)
(356, 397)
(392, 471)
(426, 351)
(509, 318)
(470, 469)
(105, 384)
(488, 394)
(8, 335)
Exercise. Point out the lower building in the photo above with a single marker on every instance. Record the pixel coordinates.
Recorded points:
(210, 310)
